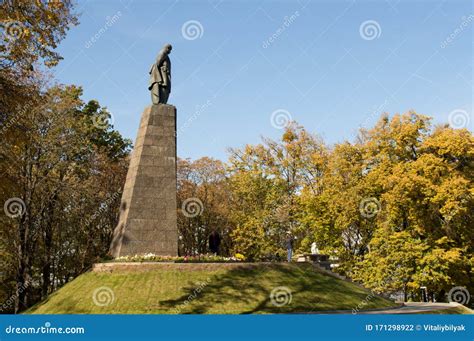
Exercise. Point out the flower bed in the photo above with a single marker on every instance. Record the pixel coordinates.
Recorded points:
(180, 259)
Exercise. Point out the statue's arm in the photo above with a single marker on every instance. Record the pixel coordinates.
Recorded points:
(165, 74)
(159, 59)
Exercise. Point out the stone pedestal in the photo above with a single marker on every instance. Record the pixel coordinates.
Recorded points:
(148, 222)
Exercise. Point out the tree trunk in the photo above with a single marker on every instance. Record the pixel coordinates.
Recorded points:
(22, 283)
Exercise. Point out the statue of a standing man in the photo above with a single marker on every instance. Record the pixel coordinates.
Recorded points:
(160, 77)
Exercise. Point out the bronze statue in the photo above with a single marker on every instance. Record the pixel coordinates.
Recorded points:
(160, 77)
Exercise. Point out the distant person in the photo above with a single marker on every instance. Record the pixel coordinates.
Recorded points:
(289, 246)
(214, 242)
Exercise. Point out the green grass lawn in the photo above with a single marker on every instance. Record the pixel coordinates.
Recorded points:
(207, 289)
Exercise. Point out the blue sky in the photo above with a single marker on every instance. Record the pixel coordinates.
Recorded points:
(333, 66)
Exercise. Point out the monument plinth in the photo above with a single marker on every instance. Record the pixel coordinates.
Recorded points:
(148, 222)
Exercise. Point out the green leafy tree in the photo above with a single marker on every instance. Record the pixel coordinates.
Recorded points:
(52, 161)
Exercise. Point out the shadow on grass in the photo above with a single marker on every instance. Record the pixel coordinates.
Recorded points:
(246, 290)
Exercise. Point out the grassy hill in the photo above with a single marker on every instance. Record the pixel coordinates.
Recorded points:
(207, 289)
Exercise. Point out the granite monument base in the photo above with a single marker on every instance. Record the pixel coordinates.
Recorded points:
(148, 213)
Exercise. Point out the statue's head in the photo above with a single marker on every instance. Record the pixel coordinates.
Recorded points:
(167, 48)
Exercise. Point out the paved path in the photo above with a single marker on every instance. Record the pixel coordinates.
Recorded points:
(407, 308)
(415, 308)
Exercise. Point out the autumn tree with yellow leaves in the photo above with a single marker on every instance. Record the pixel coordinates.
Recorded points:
(395, 207)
